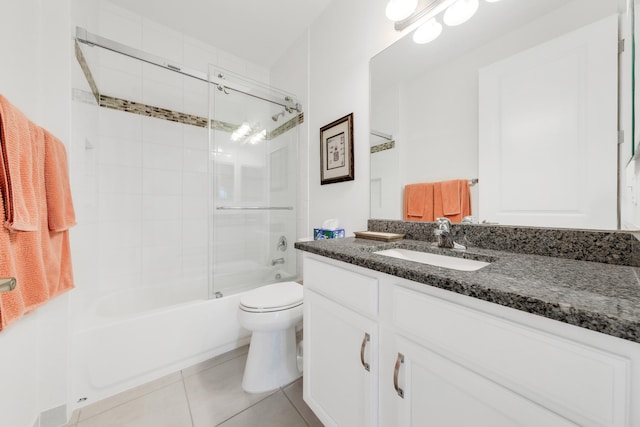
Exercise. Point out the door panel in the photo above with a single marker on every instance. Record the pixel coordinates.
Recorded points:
(548, 133)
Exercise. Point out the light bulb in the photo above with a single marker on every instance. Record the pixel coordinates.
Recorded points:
(427, 32)
(397, 10)
(459, 12)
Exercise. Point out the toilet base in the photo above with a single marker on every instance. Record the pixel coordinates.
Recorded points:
(272, 361)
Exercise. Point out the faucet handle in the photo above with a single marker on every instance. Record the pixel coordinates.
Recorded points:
(444, 221)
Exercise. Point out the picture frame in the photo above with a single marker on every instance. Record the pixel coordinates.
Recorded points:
(336, 151)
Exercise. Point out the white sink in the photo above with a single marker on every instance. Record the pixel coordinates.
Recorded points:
(451, 262)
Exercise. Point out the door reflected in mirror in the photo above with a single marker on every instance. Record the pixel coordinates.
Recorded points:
(457, 108)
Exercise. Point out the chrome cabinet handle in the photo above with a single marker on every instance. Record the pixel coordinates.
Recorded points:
(399, 361)
(365, 340)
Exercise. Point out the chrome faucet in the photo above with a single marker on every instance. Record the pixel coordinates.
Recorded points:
(443, 233)
(277, 261)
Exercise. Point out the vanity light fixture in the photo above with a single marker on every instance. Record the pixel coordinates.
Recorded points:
(459, 12)
(397, 10)
(427, 32)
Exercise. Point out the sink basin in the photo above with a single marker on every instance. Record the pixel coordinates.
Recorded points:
(436, 260)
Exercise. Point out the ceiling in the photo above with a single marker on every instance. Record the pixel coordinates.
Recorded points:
(259, 31)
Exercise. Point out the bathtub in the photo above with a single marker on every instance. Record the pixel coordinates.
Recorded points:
(130, 337)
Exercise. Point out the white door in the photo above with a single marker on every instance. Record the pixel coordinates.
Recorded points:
(548, 132)
(340, 364)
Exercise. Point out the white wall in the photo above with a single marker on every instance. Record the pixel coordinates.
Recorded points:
(341, 42)
(35, 77)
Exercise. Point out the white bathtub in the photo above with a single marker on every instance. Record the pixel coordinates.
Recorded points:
(131, 337)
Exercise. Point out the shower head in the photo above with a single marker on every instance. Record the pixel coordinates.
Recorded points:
(275, 117)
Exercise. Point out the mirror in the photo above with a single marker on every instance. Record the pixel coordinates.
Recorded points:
(424, 110)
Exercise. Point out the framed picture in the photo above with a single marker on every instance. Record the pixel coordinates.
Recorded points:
(336, 151)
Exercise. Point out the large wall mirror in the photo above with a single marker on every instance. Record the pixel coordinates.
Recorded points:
(479, 101)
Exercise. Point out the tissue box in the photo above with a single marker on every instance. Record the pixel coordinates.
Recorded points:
(321, 233)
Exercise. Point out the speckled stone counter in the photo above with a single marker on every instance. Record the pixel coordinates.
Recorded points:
(593, 295)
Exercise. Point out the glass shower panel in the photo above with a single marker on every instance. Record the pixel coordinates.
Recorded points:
(253, 168)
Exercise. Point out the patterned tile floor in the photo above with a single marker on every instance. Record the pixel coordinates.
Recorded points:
(204, 395)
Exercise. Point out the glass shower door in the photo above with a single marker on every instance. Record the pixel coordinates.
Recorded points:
(253, 172)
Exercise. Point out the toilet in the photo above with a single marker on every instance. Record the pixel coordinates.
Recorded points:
(271, 313)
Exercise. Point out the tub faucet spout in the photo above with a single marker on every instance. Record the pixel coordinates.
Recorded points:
(277, 261)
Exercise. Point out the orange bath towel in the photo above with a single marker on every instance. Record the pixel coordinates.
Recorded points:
(40, 259)
(418, 202)
(452, 199)
(60, 212)
(17, 168)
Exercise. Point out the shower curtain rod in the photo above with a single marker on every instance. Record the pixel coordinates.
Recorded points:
(90, 39)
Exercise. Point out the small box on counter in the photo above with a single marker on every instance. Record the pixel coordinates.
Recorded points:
(321, 233)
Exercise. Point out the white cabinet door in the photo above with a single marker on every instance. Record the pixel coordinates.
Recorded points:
(548, 132)
(437, 392)
(340, 363)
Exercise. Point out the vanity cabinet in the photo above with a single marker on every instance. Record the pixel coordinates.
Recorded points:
(340, 345)
(438, 358)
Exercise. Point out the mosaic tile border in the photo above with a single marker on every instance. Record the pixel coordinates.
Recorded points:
(382, 147)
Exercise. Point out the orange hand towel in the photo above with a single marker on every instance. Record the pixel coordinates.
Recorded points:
(418, 202)
(60, 212)
(451, 197)
(452, 194)
(17, 169)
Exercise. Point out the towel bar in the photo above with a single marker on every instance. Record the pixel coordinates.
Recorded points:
(7, 284)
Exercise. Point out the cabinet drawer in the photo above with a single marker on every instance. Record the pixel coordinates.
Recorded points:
(583, 383)
(353, 290)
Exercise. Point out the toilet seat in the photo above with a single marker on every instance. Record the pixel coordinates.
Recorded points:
(271, 298)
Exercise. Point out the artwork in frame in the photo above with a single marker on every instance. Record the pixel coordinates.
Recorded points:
(336, 151)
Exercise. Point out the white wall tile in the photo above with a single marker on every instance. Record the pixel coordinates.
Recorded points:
(120, 234)
(120, 262)
(163, 132)
(156, 156)
(120, 84)
(162, 233)
(162, 75)
(160, 207)
(161, 182)
(161, 41)
(161, 265)
(108, 60)
(195, 184)
(195, 233)
(115, 179)
(121, 25)
(118, 206)
(194, 207)
(118, 124)
(196, 160)
(195, 137)
(198, 55)
(122, 152)
(162, 95)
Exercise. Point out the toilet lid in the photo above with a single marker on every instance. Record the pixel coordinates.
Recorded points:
(278, 296)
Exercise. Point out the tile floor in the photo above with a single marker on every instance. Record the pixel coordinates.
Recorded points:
(204, 395)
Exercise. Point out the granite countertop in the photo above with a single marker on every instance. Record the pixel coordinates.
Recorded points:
(593, 295)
